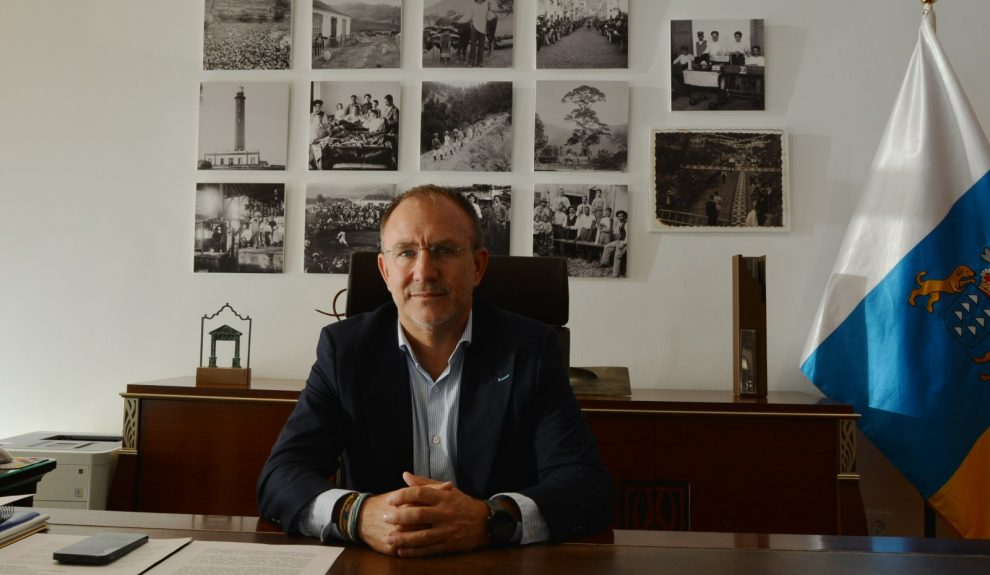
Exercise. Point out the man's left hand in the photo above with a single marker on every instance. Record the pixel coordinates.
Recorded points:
(435, 517)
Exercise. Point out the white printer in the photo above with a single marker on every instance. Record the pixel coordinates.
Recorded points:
(84, 466)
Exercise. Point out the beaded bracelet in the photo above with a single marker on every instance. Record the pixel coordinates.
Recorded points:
(345, 510)
(352, 523)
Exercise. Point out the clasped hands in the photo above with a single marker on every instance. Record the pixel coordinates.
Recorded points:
(426, 518)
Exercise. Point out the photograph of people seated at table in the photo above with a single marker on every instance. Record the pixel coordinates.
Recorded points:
(354, 126)
(717, 65)
(586, 224)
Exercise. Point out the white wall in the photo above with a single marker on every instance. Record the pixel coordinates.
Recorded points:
(98, 135)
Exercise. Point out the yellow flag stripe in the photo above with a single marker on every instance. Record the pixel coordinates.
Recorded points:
(964, 500)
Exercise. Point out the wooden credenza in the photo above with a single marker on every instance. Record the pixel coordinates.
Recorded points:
(680, 460)
(705, 461)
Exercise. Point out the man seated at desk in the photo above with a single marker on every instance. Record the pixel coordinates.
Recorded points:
(755, 58)
(455, 419)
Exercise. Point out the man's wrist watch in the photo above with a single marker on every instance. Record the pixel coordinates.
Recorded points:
(501, 524)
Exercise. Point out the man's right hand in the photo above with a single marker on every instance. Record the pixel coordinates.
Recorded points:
(380, 521)
(372, 527)
(371, 523)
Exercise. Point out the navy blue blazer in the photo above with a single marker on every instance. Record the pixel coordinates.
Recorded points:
(523, 433)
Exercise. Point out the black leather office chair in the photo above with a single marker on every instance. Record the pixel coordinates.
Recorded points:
(535, 287)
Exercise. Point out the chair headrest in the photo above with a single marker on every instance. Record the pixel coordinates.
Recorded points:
(535, 287)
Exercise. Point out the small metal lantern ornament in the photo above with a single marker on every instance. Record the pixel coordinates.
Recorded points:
(235, 375)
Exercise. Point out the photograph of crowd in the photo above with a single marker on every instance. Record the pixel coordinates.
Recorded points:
(494, 208)
(717, 65)
(588, 225)
(582, 34)
(467, 33)
(341, 219)
(243, 126)
(720, 180)
(581, 126)
(356, 34)
(466, 126)
(240, 228)
(354, 126)
(247, 35)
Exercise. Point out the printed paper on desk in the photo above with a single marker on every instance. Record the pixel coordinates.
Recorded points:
(213, 557)
(33, 556)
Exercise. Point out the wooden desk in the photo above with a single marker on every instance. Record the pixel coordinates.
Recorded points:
(634, 552)
(703, 461)
(680, 460)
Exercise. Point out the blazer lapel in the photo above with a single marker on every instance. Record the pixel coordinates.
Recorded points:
(485, 390)
(385, 405)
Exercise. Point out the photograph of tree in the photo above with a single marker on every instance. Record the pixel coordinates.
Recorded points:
(341, 219)
(247, 35)
(240, 228)
(581, 126)
(466, 126)
(356, 34)
(467, 33)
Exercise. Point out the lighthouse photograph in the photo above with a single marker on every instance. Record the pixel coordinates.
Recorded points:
(243, 125)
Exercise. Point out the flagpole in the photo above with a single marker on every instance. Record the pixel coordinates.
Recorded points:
(929, 8)
(928, 522)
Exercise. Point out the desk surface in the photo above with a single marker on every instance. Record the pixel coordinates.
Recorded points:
(646, 552)
(288, 389)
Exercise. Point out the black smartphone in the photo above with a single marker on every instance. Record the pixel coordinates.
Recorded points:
(100, 549)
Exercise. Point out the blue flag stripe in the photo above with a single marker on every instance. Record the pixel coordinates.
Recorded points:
(906, 370)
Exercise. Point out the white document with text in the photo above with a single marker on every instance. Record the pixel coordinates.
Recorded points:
(226, 558)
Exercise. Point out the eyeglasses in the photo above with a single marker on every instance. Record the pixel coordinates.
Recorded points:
(407, 255)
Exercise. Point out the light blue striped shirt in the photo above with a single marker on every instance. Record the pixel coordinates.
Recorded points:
(435, 407)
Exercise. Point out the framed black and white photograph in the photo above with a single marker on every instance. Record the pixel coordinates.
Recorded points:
(356, 33)
(581, 126)
(590, 34)
(717, 65)
(493, 204)
(467, 33)
(587, 224)
(240, 228)
(247, 35)
(243, 125)
(354, 126)
(720, 180)
(466, 127)
(341, 219)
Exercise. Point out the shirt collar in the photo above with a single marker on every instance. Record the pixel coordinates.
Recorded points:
(463, 342)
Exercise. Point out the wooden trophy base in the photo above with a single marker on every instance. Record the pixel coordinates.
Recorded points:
(231, 377)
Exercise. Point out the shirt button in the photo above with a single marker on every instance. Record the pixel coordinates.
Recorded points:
(436, 440)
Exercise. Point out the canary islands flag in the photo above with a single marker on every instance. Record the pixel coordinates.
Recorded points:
(902, 329)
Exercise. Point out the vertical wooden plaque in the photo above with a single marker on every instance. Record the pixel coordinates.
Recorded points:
(749, 326)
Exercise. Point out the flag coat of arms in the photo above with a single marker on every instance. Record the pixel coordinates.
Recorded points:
(903, 329)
